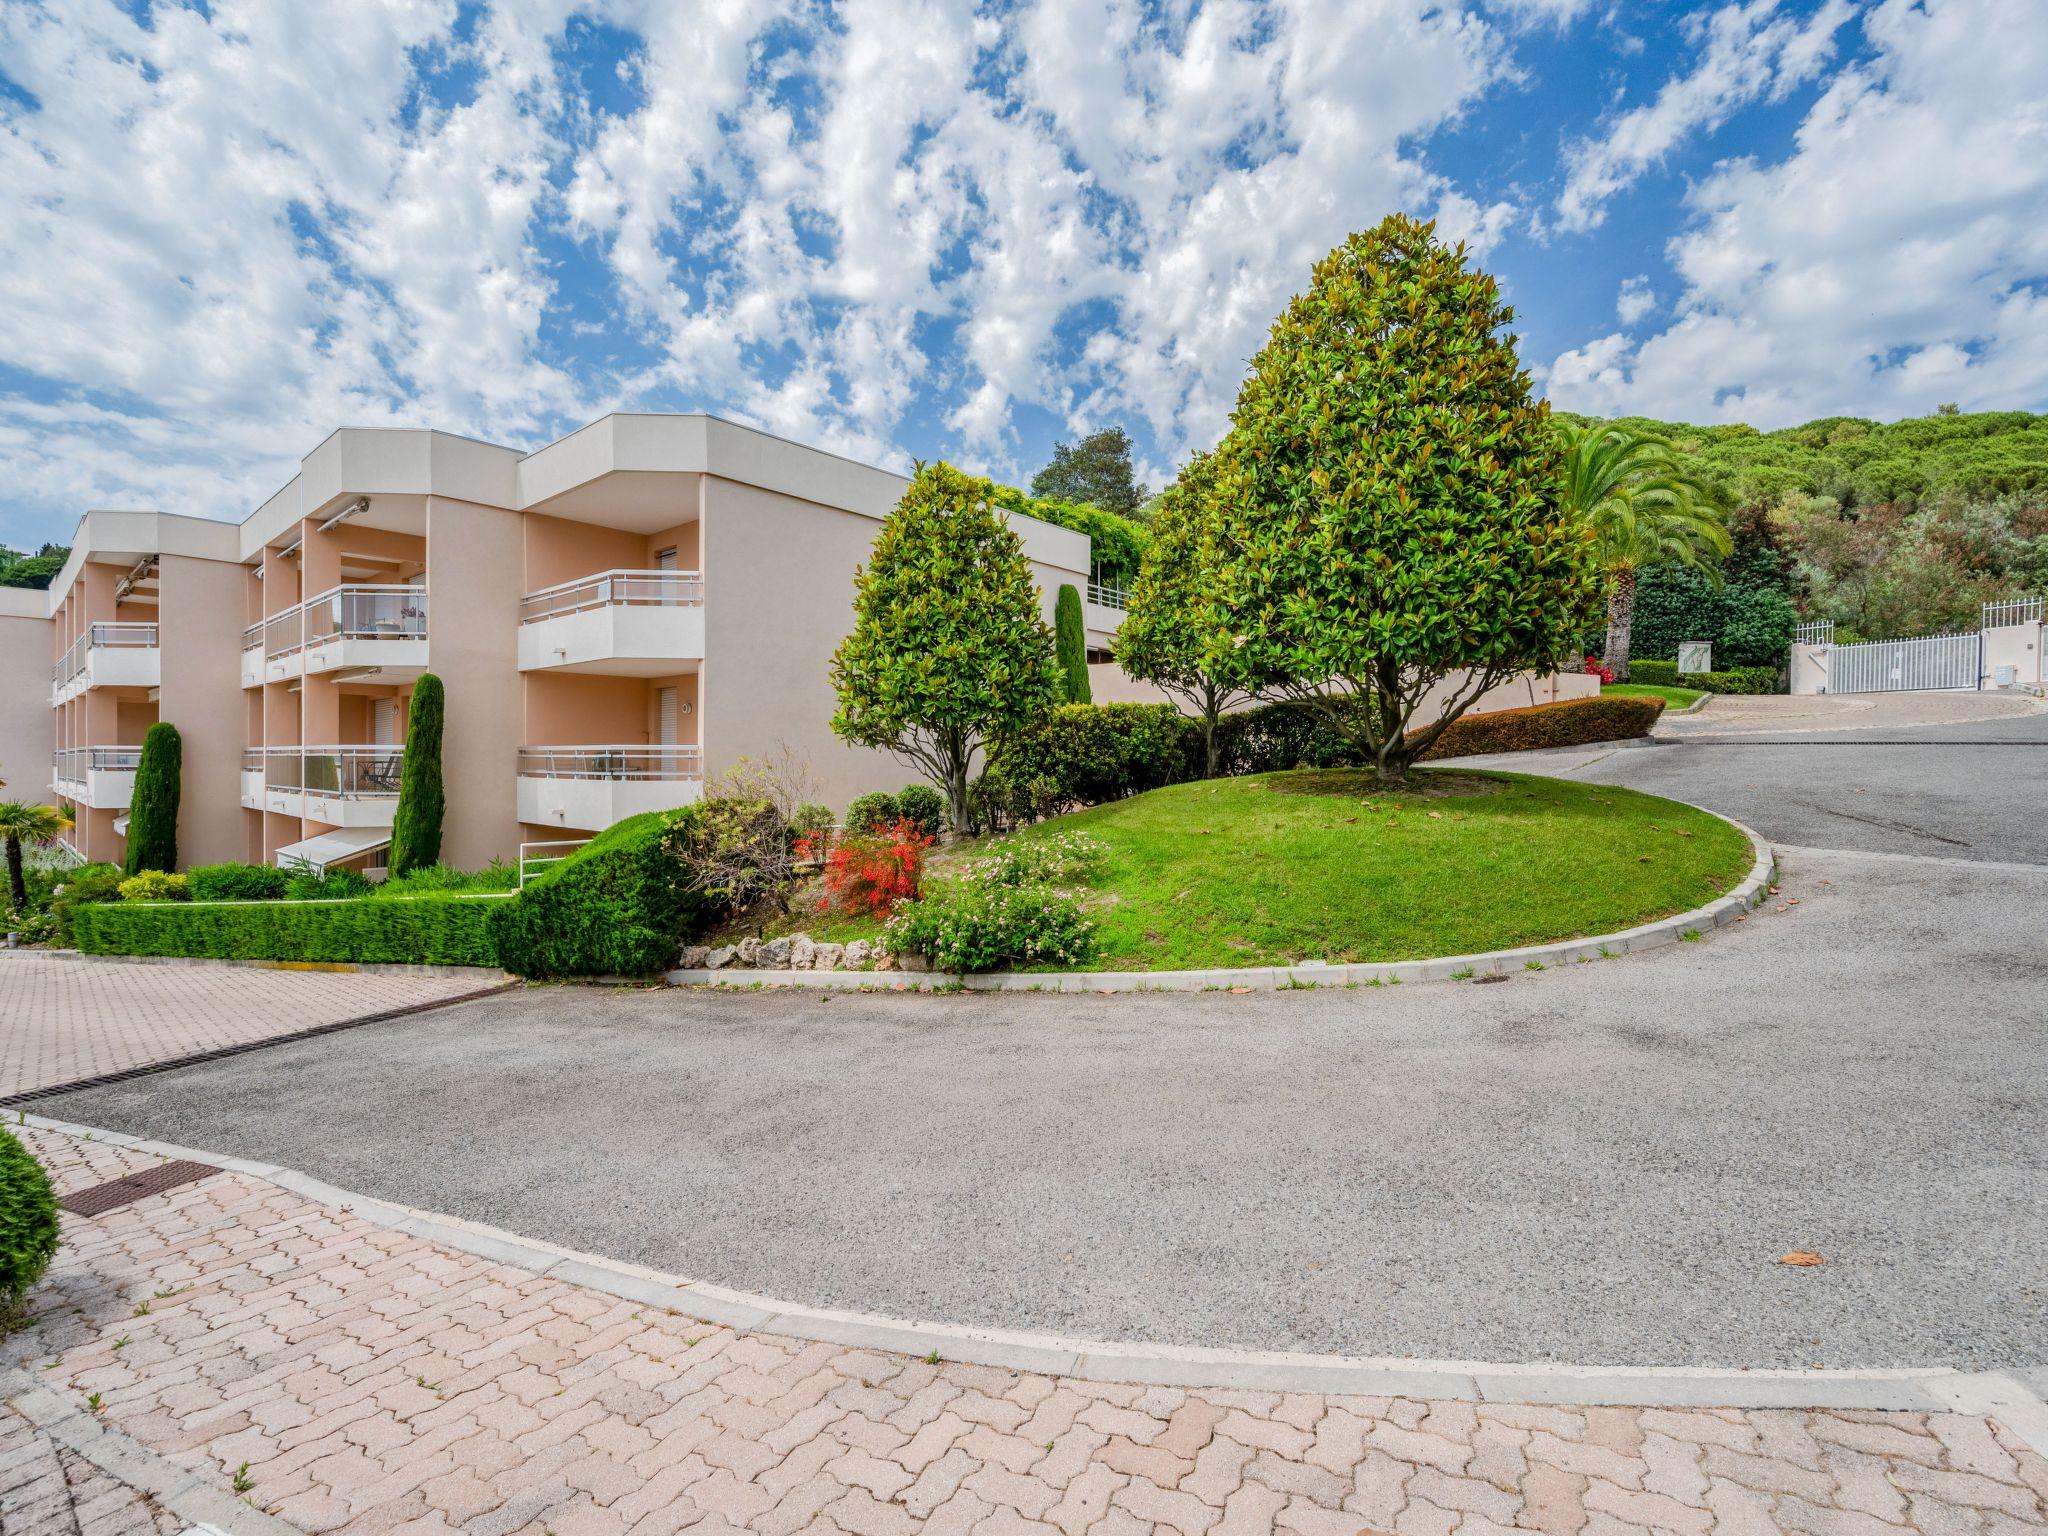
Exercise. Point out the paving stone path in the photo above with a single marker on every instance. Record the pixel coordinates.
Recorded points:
(67, 1020)
(372, 1381)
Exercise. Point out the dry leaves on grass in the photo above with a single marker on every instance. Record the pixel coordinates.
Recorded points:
(1801, 1258)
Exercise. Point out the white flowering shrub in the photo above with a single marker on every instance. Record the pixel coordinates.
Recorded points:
(978, 925)
(1061, 859)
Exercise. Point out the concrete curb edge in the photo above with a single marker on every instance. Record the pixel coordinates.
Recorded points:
(1930, 1389)
(1718, 913)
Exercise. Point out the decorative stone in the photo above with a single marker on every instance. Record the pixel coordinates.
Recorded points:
(748, 951)
(857, 955)
(774, 954)
(718, 959)
(693, 957)
(828, 957)
(803, 954)
(912, 961)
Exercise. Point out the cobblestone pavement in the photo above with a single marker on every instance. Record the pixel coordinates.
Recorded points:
(1844, 712)
(63, 1021)
(46, 1489)
(372, 1381)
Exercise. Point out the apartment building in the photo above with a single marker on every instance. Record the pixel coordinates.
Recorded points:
(613, 617)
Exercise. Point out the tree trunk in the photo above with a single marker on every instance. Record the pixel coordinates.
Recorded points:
(1621, 617)
(1211, 707)
(16, 887)
(956, 793)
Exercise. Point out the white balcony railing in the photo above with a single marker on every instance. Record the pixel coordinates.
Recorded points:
(589, 788)
(335, 773)
(1102, 595)
(281, 634)
(347, 613)
(615, 764)
(608, 589)
(109, 636)
(73, 765)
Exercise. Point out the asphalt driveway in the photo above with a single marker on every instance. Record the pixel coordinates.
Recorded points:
(1601, 1164)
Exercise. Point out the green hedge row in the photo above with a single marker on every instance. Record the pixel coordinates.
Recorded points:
(1744, 680)
(620, 907)
(425, 930)
(1571, 723)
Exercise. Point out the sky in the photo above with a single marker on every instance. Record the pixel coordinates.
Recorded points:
(909, 229)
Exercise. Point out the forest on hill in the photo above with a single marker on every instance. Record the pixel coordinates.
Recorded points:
(1887, 528)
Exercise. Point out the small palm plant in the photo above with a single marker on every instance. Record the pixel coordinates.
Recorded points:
(21, 821)
(1645, 508)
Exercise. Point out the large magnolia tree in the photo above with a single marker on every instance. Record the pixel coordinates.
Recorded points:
(1163, 639)
(1391, 541)
(949, 646)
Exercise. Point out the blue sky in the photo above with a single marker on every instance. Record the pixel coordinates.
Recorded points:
(905, 229)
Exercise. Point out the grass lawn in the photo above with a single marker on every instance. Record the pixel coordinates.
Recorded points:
(1304, 866)
(1674, 698)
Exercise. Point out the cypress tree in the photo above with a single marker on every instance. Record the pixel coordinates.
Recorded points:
(416, 825)
(1070, 644)
(153, 807)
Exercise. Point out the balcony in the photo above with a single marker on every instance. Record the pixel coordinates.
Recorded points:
(118, 655)
(341, 786)
(100, 777)
(623, 623)
(252, 655)
(1104, 610)
(589, 788)
(252, 779)
(355, 629)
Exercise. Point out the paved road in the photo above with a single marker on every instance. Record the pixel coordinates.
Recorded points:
(1600, 1165)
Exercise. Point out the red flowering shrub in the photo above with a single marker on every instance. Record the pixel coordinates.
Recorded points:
(1598, 668)
(872, 871)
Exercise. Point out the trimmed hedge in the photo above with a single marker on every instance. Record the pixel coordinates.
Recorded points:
(1571, 723)
(1653, 674)
(1085, 754)
(28, 1223)
(236, 882)
(1742, 680)
(620, 907)
(423, 930)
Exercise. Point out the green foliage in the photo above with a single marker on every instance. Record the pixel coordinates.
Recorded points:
(153, 808)
(498, 875)
(620, 906)
(920, 805)
(24, 821)
(1747, 625)
(869, 813)
(1737, 680)
(80, 887)
(1574, 722)
(1116, 545)
(1656, 673)
(1275, 737)
(416, 824)
(36, 570)
(237, 882)
(329, 885)
(28, 1223)
(812, 824)
(428, 930)
(1070, 645)
(154, 885)
(1391, 491)
(1084, 754)
(948, 646)
(980, 926)
(1096, 470)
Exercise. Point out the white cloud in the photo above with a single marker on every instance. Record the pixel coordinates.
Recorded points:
(1636, 298)
(1893, 262)
(1747, 52)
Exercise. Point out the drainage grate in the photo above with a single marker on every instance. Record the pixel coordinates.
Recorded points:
(115, 1193)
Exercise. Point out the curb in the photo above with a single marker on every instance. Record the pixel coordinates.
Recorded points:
(338, 967)
(184, 1492)
(1926, 1390)
(1719, 913)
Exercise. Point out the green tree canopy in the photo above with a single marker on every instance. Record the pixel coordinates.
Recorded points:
(23, 821)
(1163, 639)
(1392, 543)
(1096, 470)
(949, 646)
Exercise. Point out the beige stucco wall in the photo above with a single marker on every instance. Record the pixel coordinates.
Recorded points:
(475, 578)
(1108, 684)
(27, 723)
(1809, 670)
(2019, 646)
(199, 629)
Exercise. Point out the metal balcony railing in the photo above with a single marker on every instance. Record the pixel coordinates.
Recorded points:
(614, 763)
(359, 612)
(345, 773)
(99, 636)
(1102, 595)
(72, 764)
(635, 589)
(252, 637)
(1819, 632)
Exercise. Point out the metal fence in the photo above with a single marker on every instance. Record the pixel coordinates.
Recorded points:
(1819, 632)
(612, 762)
(1103, 595)
(1892, 666)
(2012, 610)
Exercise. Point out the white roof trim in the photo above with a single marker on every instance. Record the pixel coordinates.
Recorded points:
(316, 853)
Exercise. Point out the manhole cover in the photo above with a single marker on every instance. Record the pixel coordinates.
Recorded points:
(119, 1192)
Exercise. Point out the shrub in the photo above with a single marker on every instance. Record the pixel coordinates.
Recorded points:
(872, 871)
(416, 824)
(1054, 860)
(811, 827)
(1070, 645)
(426, 930)
(84, 885)
(28, 1223)
(1595, 667)
(153, 806)
(1659, 674)
(154, 885)
(622, 905)
(1571, 723)
(498, 875)
(979, 926)
(327, 885)
(1085, 754)
(870, 812)
(1742, 680)
(1275, 737)
(922, 807)
(237, 882)
(739, 851)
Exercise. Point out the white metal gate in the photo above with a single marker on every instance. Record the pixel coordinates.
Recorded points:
(1890, 666)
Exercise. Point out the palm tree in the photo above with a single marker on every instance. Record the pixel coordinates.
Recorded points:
(1645, 507)
(21, 820)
